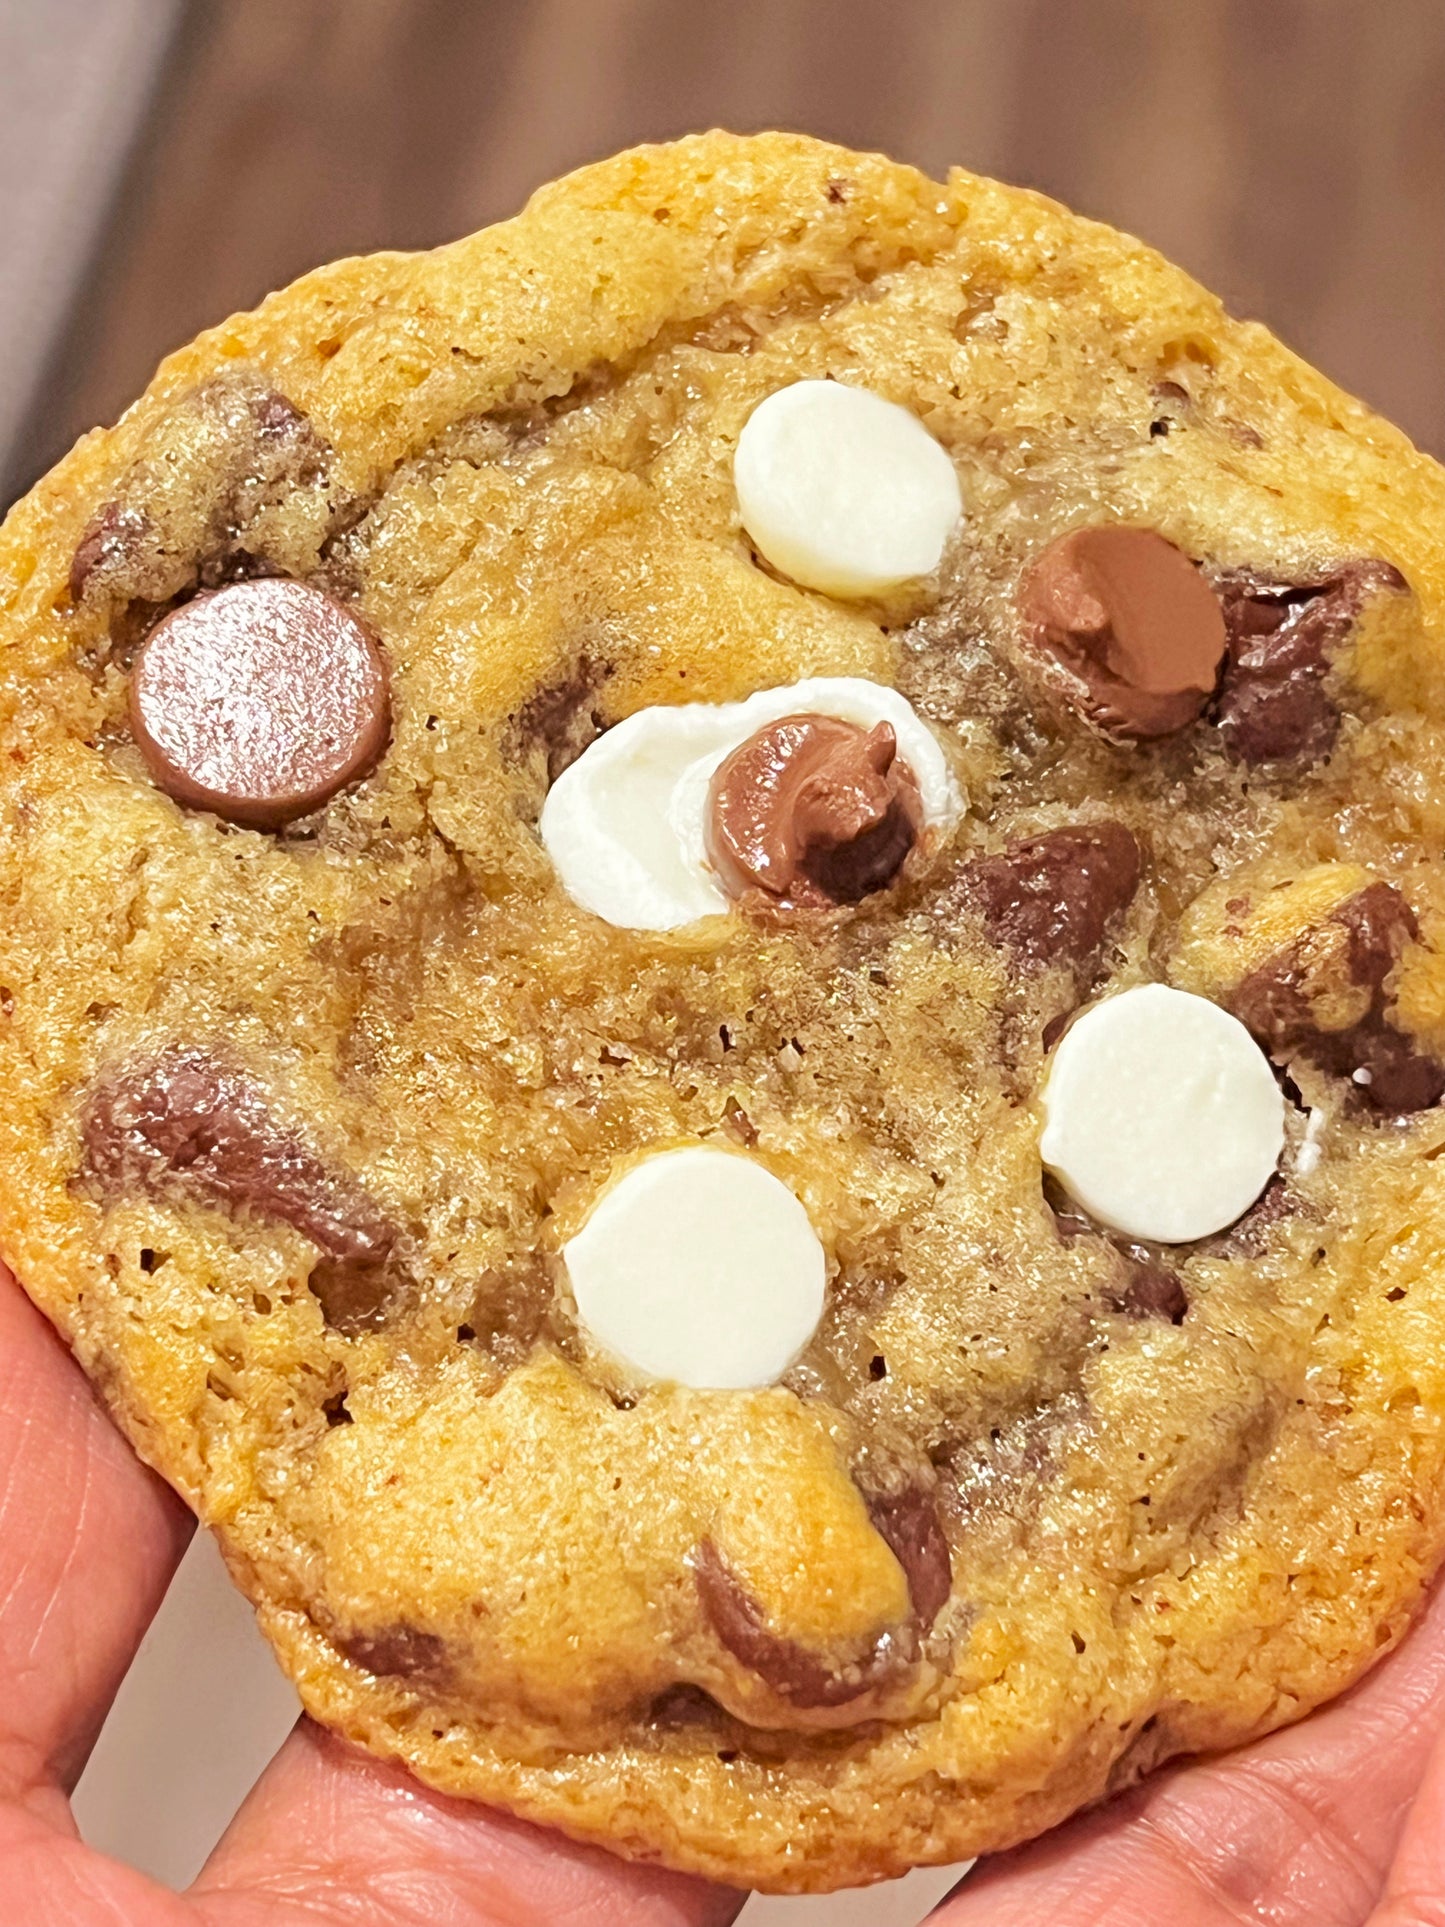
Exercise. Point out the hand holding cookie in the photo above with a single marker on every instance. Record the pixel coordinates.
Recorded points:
(723, 1018)
(89, 1539)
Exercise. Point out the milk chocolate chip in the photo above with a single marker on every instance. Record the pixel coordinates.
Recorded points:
(1325, 998)
(108, 541)
(395, 1652)
(355, 1294)
(907, 1522)
(1054, 898)
(793, 1673)
(1274, 701)
(1132, 632)
(184, 1122)
(813, 812)
(260, 701)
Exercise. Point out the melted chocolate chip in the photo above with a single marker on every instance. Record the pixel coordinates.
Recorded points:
(1274, 703)
(1156, 1741)
(1172, 394)
(198, 506)
(355, 1294)
(1151, 1290)
(1070, 1220)
(994, 1483)
(1324, 998)
(1146, 1288)
(183, 1122)
(108, 540)
(907, 1522)
(1054, 898)
(508, 1311)
(685, 1705)
(1132, 632)
(562, 717)
(395, 1652)
(813, 812)
(260, 701)
(1248, 1236)
(738, 1124)
(276, 416)
(1402, 1078)
(792, 1672)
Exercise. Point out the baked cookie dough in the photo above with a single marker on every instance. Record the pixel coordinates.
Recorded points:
(724, 1002)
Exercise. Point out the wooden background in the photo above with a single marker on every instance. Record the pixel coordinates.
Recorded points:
(1289, 152)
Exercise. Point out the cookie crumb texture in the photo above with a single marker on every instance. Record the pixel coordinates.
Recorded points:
(300, 1119)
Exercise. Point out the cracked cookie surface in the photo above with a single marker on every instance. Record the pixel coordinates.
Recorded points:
(303, 1117)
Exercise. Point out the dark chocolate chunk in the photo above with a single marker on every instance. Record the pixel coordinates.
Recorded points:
(792, 1672)
(907, 1522)
(1131, 631)
(185, 1122)
(1054, 898)
(395, 1652)
(1325, 998)
(260, 701)
(1275, 704)
(812, 812)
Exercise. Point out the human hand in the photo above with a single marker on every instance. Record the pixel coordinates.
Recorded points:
(1337, 1822)
(88, 1541)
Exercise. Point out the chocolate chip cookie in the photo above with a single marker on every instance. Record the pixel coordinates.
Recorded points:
(722, 993)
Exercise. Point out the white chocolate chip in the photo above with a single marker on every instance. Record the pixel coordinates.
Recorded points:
(842, 490)
(1162, 1115)
(607, 821)
(626, 824)
(699, 1266)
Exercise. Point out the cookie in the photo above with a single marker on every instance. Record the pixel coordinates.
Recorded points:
(723, 1006)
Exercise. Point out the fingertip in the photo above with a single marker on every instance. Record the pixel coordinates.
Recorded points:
(326, 1818)
(89, 1539)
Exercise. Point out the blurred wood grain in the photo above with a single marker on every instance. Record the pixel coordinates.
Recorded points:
(1291, 153)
